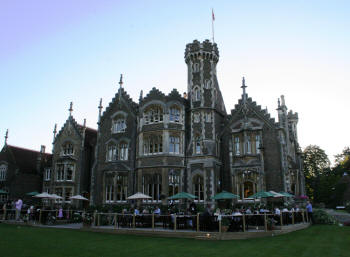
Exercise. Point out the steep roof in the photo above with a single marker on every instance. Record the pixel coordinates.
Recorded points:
(26, 159)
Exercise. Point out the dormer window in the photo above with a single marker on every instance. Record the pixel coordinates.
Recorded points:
(68, 149)
(118, 125)
(153, 114)
(174, 114)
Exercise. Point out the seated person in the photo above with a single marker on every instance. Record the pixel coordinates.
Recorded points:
(136, 211)
(248, 211)
(277, 211)
(157, 211)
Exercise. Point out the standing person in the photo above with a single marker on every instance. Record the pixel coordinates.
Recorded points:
(60, 213)
(19, 204)
(309, 212)
(4, 207)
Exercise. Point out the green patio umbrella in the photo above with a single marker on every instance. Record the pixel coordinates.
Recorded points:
(182, 195)
(32, 193)
(261, 194)
(224, 195)
(3, 191)
(286, 194)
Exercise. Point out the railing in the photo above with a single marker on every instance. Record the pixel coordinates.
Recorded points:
(43, 216)
(199, 223)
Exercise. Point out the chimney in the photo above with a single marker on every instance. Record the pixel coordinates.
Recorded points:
(185, 95)
(42, 149)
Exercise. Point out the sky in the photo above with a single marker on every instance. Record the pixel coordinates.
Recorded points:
(55, 52)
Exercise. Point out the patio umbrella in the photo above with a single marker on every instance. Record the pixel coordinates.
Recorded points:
(54, 196)
(224, 195)
(261, 194)
(275, 194)
(79, 197)
(3, 192)
(32, 193)
(182, 195)
(139, 196)
(43, 195)
(286, 194)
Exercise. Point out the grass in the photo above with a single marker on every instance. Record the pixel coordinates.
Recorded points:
(25, 241)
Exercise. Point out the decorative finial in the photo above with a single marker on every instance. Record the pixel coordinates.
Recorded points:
(279, 103)
(54, 132)
(84, 125)
(141, 95)
(70, 109)
(100, 110)
(6, 136)
(121, 80)
(244, 87)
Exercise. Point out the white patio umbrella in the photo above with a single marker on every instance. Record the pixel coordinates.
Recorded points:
(43, 195)
(79, 197)
(54, 196)
(139, 196)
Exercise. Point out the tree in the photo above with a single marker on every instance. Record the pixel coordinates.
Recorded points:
(316, 164)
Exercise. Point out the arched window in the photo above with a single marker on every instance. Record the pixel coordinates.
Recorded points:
(3, 171)
(153, 114)
(152, 144)
(198, 187)
(197, 145)
(67, 149)
(197, 94)
(123, 151)
(122, 187)
(174, 114)
(112, 152)
(174, 183)
(207, 83)
(248, 189)
(118, 125)
(196, 67)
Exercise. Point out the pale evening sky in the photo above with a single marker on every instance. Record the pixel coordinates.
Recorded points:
(55, 52)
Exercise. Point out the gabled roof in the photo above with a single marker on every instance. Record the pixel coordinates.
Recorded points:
(154, 94)
(247, 106)
(26, 159)
(122, 94)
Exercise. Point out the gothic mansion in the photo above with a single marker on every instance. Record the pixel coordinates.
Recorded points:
(166, 144)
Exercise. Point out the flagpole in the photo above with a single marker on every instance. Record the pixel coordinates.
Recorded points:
(212, 23)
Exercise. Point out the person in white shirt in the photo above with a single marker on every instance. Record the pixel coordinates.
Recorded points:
(277, 211)
(136, 211)
(157, 211)
(19, 204)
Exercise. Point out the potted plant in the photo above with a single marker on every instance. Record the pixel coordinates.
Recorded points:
(87, 219)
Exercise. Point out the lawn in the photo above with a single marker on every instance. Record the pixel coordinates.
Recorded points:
(320, 240)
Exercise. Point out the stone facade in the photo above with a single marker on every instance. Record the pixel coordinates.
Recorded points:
(166, 144)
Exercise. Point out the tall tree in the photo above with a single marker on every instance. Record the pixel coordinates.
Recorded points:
(316, 163)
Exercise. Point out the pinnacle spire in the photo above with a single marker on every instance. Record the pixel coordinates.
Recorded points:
(121, 80)
(99, 111)
(244, 87)
(6, 136)
(70, 109)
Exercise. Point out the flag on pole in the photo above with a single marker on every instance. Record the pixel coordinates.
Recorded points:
(212, 14)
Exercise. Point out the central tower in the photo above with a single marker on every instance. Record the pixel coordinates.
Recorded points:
(205, 116)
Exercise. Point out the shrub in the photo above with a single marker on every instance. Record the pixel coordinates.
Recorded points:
(322, 217)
